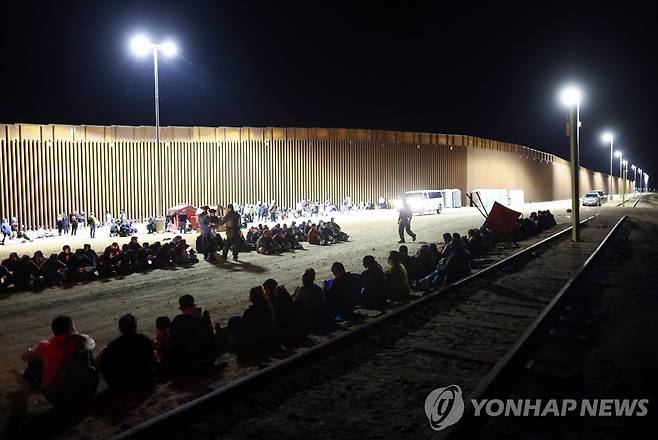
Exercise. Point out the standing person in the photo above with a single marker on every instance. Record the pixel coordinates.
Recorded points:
(74, 224)
(232, 220)
(60, 223)
(404, 221)
(207, 242)
(108, 218)
(66, 225)
(182, 222)
(91, 221)
(6, 230)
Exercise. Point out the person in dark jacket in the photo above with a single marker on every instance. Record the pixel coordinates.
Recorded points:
(373, 284)
(128, 361)
(310, 302)
(254, 331)
(342, 292)
(192, 341)
(53, 270)
(288, 321)
(74, 224)
(232, 220)
(404, 221)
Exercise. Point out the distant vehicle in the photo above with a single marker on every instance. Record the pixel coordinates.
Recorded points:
(592, 198)
(423, 201)
(603, 197)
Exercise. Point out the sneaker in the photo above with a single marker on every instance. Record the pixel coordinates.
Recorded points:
(401, 241)
(414, 238)
(235, 258)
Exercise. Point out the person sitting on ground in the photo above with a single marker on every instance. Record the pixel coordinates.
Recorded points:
(310, 302)
(342, 292)
(288, 322)
(63, 366)
(25, 273)
(114, 230)
(193, 341)
(253, 331)
(281, 241)
(5, 278)
(128, 361)
(81, 267)
(38, 259)
(458, 265)
(446, 250)
(373, 284)
(474, 244)
(162, 256)
(313, 236)
(134, 244)
(90, 253)
(424, 261)
(338, 233)
(397, 278)
(327, 234)
(550, 219)
(266, 244)
(162, 338)
(53, 271)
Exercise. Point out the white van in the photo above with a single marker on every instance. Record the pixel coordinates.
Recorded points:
(424, 201)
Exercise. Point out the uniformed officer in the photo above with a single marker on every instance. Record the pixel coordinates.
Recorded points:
(232, 220)
(404, 221)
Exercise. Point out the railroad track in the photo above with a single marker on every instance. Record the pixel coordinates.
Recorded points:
(463, 331)
(545, 357)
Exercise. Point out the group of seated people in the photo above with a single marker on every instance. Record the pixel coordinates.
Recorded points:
(281, 238)
(68, 373)
(26, 272)
(123, 228)
(534, 224)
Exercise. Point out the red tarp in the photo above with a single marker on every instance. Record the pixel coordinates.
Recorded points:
(502, 220)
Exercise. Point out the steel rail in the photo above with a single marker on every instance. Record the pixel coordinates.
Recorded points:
(503, 372)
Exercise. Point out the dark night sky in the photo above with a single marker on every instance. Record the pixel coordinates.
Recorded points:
(490, 70)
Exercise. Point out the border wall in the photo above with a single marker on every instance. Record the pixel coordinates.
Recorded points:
(50, 169)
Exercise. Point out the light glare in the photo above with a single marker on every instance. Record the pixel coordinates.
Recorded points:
(607, 137)
(140, 45)
(570, 96)
(169, 48)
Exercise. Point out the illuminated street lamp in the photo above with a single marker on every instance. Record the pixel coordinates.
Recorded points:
(570, 97)
(609, 137)
(141, 46)
(634, 168)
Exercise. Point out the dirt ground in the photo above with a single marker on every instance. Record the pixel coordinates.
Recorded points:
(222, 289)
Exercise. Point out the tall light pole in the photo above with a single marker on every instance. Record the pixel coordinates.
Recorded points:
(609, 137)
(141, 46)
(570, 97)
(624, 179)
(639, 170)
(634, 168)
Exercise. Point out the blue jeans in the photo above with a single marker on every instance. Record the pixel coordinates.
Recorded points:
(92, 231)
(432, 279)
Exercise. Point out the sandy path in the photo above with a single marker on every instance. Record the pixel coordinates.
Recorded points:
(223, 290)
